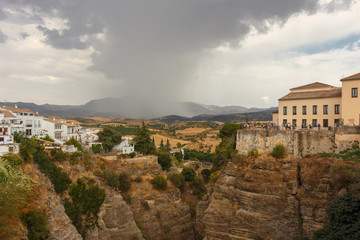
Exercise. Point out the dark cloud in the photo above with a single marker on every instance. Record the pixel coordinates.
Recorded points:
(154, 47)
(24, 35)
(3, 37)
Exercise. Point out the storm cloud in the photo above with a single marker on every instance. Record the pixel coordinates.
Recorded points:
(153, 48)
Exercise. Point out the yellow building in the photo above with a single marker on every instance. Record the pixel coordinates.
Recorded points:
(319, 104)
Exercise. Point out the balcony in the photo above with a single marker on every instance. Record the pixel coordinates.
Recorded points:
(28, 125)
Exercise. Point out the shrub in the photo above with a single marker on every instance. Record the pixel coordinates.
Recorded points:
(206, 173)
(112, 179)
(213, 176)
(188, 173)
(60, 156)
(124, 182)
(198, 186)
(253, 152)
(127, 198)
(159, 182)
(164, 160)
(28, 147)
(145, 204)
(36, 223)
(97, 148)
(13, 159)
(59, 178)
(87, 198)
(47, 138)
(344, 219)
(279, 151)
(132, 155)
(178, 180)
(76, 157)
(73, 141)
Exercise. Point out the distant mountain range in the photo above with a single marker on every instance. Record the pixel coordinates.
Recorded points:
(131, 107)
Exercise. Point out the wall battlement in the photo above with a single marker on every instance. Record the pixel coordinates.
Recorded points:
(298, 142)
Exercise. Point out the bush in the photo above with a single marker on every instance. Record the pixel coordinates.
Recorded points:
(253, 152)
(13, 159)
(344, 219)
(127, 198)
(112, 179)
(36, 223)
(132, 155)
(199, 187)
(47, 138)
(59, 178)
(97, 148)
(60, 156)
(279, 151)
(138, 179)
(28, 147)
(73, 141)
(145, 204)
(213, 176)
(178, 180)
(159, 183)
(164, 160)
(124, 182)
(206, 173)
(188, 173)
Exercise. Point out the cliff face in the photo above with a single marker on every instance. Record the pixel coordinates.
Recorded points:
(265, 198)
(59, 224)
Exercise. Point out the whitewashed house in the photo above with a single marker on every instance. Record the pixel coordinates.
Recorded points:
(7, 144)
(25, 120)
(61, 130)
(89, 136)
(125, 147)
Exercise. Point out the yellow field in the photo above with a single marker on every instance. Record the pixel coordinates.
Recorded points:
(173, 141)
(192, 131)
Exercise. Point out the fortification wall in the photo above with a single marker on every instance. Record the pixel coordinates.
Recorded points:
(300, 142)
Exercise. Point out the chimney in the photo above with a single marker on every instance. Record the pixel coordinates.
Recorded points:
(16, 106)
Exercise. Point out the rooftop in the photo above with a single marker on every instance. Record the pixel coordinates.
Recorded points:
(331, 93)
(352, 77)
(314, 85)
(16, 109)
(7, 113)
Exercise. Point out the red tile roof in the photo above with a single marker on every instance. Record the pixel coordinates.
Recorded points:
(7, 113)
(15, 109)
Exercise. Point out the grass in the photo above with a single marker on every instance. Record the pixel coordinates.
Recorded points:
(346, 155)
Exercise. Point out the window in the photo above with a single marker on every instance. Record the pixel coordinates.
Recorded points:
(284, 121)
(304, 110)
(294, 110)
(337, 122)
(337, 109)
(57, 135)
(326, 123)
(28, 132)
(354, 92)
(285, 110)
(294, 122)
(304, 123)
(326, 109)
(314, 109)
(314, 122)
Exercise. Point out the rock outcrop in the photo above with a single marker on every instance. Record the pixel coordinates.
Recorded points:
(266, 198)
(59, 224)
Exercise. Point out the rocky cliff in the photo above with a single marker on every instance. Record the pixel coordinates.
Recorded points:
(266, 198)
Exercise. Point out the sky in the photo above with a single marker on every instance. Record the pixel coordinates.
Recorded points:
(221, 52)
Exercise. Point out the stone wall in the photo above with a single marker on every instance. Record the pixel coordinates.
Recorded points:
(299, 142)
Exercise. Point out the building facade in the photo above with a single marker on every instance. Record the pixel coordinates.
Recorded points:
(321, 105)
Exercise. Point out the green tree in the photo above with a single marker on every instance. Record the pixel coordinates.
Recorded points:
(178, 180)
(143, 143)
(278, 151)
(97, 148)
(198, 186)
(109, 138)
(47, 138)
(228, 130)
(344, 221)
(168, 146)
(159, 182)
(28, 147)
(73, 141)
(188, 173)
(162, 144)
(36, 223)
(87, 198)
(164, 159)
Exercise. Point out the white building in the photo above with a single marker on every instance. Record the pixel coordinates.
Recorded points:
(125, 147)
(60, 130)
(89, 136)
(6, 138)
(24, 120)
